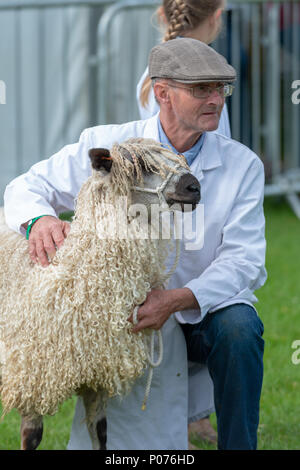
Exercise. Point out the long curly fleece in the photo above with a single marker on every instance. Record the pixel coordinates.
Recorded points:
(66, 326)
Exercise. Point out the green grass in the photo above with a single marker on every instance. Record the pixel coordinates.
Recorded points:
(56, 429)
(279, 308)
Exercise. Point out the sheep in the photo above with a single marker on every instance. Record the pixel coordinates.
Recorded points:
(64, 329)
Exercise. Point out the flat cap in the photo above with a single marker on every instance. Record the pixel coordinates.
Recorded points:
(188, 60)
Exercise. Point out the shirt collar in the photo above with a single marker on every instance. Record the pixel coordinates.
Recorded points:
(190, 154)
(213, 146)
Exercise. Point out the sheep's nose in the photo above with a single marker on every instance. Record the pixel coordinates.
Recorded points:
(193, 188)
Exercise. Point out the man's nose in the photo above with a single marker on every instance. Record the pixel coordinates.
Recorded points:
(215, 97)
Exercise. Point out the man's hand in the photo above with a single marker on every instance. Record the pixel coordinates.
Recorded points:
(160, 304)
(47, 234)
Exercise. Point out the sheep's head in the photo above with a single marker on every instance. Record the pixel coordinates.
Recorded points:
(156, 175)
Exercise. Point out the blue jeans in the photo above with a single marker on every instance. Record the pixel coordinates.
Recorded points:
(230, 343)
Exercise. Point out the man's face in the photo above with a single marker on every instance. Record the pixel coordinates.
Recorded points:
(196, 107)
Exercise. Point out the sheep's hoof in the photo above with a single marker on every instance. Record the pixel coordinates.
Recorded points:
(31, 434)
(102, 433)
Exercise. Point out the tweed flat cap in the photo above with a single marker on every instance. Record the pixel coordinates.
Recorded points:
(188, 60)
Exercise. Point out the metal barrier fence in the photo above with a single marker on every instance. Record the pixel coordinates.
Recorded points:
(99, 71)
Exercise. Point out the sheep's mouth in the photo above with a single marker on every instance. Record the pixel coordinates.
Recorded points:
(184, 205)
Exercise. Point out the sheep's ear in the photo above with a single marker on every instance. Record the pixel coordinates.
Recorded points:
(100, 158)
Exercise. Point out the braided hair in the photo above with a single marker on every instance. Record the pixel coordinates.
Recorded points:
(182, 16)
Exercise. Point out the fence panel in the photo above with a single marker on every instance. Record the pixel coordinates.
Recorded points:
(45, 47)
(122, 61)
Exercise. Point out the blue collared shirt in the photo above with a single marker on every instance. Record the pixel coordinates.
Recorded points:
(190, 154)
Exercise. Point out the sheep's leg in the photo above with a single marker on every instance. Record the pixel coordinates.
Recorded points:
(31, 432)
(95, 418)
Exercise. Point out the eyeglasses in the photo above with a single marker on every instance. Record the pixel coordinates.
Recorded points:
(204, 91)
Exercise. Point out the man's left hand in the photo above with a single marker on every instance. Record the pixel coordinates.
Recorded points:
(155, 310)
(159, 305)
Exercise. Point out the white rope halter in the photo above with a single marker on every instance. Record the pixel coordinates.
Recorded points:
(160, 189)
(150, 357)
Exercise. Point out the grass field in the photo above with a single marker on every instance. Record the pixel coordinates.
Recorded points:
(279, 308)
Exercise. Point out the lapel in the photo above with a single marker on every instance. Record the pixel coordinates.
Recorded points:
(209, 156)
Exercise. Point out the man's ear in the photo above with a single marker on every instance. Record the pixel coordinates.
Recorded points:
(161, 92)
(100, 159)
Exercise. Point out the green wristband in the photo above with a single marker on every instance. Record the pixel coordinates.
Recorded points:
(31, 222)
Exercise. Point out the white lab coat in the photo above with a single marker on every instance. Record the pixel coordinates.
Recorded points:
(200, 405)
(152, 108)
(227, 270)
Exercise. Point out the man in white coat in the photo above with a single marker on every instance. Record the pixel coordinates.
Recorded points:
(209, 300)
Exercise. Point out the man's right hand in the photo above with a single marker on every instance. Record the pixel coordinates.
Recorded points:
(47, 234)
